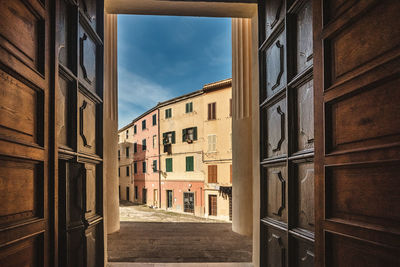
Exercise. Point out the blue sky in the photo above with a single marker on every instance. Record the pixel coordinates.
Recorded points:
(161, 57)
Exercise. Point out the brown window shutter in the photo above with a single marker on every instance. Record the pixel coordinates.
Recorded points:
(214, 111)
(212, 173)
(209, 112)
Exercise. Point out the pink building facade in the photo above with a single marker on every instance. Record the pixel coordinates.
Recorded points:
(142, 138)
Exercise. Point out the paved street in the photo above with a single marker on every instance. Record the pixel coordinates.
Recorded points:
(170, 237)
(141, 213)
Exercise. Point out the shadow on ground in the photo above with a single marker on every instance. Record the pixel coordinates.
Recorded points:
(178, 242)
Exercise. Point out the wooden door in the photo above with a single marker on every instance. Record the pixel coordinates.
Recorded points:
(287, 133)
(144, 196)
(212, 205)
(357, 133)
(79, 131)
(24, 133)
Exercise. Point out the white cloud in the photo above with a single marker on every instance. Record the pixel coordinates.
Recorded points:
(137, 94)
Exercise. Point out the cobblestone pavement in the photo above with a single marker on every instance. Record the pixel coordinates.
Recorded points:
(168, 237)
(141, 213)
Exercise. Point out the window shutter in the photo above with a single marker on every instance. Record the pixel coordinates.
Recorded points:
(168, 165)
(195, 133)
(164, 138)
(214, 116)
(173, 137)
(209, 112)
(184, 135)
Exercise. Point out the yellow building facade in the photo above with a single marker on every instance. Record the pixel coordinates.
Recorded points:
(217, 130)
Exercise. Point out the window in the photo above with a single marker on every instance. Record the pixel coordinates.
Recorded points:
(154, 119)
(212, 111)
(119, 172)
(154, 141)
(134, 129)
(127, 152)
(135, 167)
(144, 166)
(127, 133)
(212, 143)
(143, 124)
(212, 174)
(169, 138)
(189, 134)
(169, 198)
(134, 147)
(189, 107)
(143, 144)
(119, 154)
(212, 205)
(127, 170)
(168, 113)
(136, 192)
(168, 165)
(154, 165)
(230, 107)
(189, 164)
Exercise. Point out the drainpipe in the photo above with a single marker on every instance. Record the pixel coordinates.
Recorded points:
(159, 160)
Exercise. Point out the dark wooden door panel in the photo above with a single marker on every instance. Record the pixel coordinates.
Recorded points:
(79, 128)
(357, 134)
(287, 133)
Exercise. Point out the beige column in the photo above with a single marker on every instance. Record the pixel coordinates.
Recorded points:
(242, 176)
(110, 125)
(255, 131)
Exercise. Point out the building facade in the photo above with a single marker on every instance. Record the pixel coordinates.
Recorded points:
(217, 130)
(138, 154)
(181, 153)
(181, 138)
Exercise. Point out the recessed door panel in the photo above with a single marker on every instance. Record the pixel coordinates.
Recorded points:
(356, 57)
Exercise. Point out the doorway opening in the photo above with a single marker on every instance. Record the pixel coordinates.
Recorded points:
(178, 142)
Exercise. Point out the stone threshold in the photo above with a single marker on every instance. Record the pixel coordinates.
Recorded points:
(183, 264)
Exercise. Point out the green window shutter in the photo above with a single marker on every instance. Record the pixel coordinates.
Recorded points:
(187, 108)
(191, 106)
(183, 135)
(168, 165)
(189, 164)
(164, 138)
(154, 165)
(173, 137)
(195, 133)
